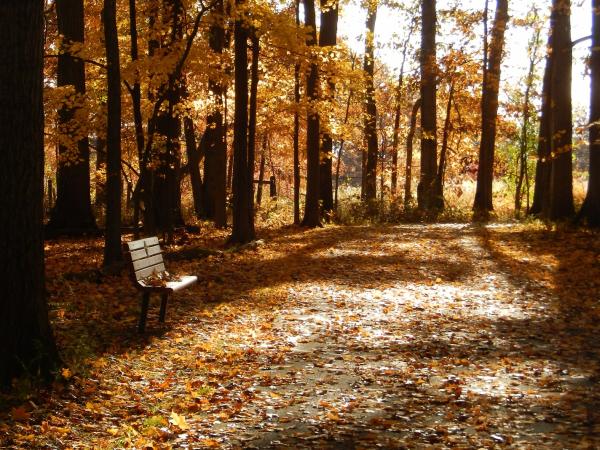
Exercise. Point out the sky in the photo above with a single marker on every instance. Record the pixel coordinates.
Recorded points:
(390, 22)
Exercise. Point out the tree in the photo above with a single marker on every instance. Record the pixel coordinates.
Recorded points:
(590, 211)
(311, 208)
(27, 341)
(72, 213)
(215, 160)
(243, 223)
(561, 171)
(327, 39)
(112, 242)
(489, 112)
(409, 152)
(426, 195)
(296, 137)
(370, 105)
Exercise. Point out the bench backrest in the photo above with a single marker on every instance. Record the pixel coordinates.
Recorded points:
(146, 257)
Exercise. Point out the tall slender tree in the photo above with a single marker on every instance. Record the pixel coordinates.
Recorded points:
(27, 341)
(215, 160)
(311, 209)
(243, 225)
(370, 105)
(489, 112)
(426, 194)
(296, 137)
(72, 213)
(327, 39)
(112, 242)
(590, 211)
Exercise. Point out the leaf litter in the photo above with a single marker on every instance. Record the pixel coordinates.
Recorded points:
(412, 336)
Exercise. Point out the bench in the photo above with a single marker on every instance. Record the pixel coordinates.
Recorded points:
(149, 275)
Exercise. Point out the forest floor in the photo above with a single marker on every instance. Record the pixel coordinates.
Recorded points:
(408, 336)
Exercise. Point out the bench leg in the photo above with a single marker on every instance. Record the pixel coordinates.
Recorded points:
(144, 312)
(163, 307)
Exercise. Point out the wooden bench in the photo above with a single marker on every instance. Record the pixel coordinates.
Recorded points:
(145, 260)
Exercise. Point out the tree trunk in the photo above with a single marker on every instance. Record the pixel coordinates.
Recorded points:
(243, 227)
(311, 208)
(27, 340)
(370, 106)
(72, 213)
(541, 190)
(409, 153)
(215, 160)
(297, 130)
(426, 194)
(252, 116)
(561, 172)
(590, 211)
(394, 182)
(193, 156)
(489, 111)
(327, 39)
(444, 150)
(261, 172)
(112, 236)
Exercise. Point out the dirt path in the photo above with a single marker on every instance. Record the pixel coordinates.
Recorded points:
(447, 336)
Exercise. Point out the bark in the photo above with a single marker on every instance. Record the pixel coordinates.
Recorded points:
(426, 194)
(112, 236)
(215, 161)
(542, 170)
(243, 227)
(489, 111)
(193, 156)
(370, 106)
(27, 341)
(590, 211)
(252, 115)
(72, 213)
(327, 38)
(409, 152)
(261, 172)
(297, 130)
(311, 209)
(561, 173)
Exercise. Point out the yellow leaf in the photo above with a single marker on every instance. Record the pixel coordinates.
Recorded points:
(66, 373)
(179, 421)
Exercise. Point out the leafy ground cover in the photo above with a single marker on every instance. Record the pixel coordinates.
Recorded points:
(409, 336)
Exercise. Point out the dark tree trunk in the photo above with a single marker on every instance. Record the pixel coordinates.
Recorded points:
(370, 106)
(215, 160)
(590, 211)
(297, 131)
(261, 172)
(489, 112)
(243, 226)
(72, 213)
(27, 341)
(112, 236)
(409, 152)
(165, 201)
(426, 194)
(541, 190)
(561, 173)
(445, 138)
(252, 116)
(194, 156)
(311, 209)
(327, 39)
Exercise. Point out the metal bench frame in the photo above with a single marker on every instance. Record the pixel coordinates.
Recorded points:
(145, 258)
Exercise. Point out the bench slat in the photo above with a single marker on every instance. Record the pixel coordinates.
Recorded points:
(147, 262)
(143, 273)
(144, 252)
(141, 243)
